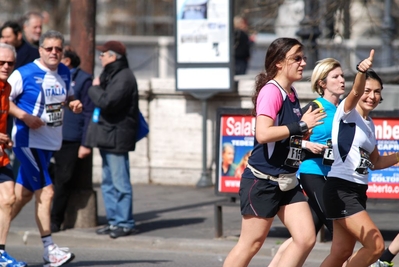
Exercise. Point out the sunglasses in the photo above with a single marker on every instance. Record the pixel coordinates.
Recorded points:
(10, 63)
(50, 49)
(298, 59)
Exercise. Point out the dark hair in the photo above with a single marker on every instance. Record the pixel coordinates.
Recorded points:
(371, 74)
(16, 28)
(276, 53)
(72, 55)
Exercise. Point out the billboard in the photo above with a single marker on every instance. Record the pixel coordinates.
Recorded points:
(385, 183)
(203, 45)
(235, 138)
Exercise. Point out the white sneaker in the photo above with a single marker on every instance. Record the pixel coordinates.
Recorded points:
(54, 256)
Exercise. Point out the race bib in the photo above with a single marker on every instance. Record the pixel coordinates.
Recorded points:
(364, 163)
(54, 114)
(328, 156)
(294, 156)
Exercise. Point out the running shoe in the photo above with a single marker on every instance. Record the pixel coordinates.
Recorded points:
(54, 256)
(379, 263)
(7, 261)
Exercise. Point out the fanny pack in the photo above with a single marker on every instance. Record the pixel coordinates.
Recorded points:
(285, 182)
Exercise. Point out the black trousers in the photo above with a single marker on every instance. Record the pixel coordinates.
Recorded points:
(66, 161)
(313, 186)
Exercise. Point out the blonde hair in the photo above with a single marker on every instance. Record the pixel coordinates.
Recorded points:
(320, 72)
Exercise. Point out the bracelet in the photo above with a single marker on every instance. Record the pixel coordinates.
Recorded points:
(304, 142)
(397, 156)
(357, 68)
(294, 128)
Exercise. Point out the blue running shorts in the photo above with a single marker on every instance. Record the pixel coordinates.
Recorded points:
(33, 173)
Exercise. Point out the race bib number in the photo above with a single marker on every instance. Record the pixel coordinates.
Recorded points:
(364, 163)
(294, 156)
(328, 156)
(54, 114)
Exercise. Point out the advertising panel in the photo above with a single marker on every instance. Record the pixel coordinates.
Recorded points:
(235, 138)
(203, 46)
(385, 183)
(235, 143)
(202, 31)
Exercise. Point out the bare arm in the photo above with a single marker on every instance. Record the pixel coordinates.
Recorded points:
(267, 132)
(359, 84)
(5, 140)
(74, 104)
(31, 121)
(382, 162)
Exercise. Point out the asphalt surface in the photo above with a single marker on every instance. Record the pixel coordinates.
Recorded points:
(182, 218)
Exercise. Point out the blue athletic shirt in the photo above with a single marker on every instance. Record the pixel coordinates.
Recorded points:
(269, 158)
(41, 92)
(320, 134)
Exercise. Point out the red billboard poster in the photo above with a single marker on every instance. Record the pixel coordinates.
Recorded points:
(385, 183)
(236, 139)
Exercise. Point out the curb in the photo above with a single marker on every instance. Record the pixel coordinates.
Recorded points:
(86, 237)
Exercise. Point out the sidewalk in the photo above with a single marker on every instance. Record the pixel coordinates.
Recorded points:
(182, 218)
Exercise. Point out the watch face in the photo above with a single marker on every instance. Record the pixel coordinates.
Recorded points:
(304, 127)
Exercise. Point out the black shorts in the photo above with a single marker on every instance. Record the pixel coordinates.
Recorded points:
(6, 174)
(343, 198)
(263, 198)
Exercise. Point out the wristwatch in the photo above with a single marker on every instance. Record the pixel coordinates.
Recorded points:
(303, 126)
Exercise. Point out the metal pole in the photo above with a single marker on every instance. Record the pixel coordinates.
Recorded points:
(163, 57)
(205, 179)
(309, 31)
(387, 32)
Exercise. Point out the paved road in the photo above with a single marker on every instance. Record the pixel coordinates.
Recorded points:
(172, 220)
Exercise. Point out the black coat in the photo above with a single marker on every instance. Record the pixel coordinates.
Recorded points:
(117, 98)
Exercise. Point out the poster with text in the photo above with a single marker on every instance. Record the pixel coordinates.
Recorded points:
(385, 183)
(235, 145)
(202, 31)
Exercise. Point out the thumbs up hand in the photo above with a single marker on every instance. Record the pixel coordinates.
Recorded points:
(367, 63)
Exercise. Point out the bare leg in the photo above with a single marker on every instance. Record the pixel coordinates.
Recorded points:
(361, 226)
(346, 232)
(279, 253)
(253, 233)
(23, 196)
(302, 232)
(7, 199)
(44, 197)
(394, 246)
(341, 247)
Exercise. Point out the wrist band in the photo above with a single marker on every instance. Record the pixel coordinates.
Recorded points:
(397, 156)
(304, 142)
(357, 68)
(294, 128)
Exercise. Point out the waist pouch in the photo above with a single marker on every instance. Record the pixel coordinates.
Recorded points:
(285, 182)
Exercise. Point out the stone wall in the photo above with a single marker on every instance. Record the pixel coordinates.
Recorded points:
(172, 152)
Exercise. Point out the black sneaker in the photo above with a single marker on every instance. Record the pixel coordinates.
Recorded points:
(121, 231)
(106, 230)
